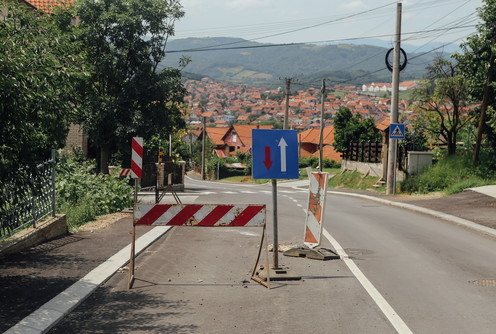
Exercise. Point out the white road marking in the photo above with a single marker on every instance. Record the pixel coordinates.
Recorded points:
(388, 311)
(376, 296)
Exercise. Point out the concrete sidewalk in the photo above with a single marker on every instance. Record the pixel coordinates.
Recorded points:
(486, 190)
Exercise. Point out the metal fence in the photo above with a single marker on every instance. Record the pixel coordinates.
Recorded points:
(27, 198)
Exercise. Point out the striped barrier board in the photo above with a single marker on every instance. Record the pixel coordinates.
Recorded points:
(137, 158)
(212, 215)
(125, 172)
(316, 205)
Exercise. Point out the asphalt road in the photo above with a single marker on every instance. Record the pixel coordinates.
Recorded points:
(401, 272)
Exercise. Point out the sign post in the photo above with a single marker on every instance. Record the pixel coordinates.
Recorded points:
(275, 156)
(136, 174)
(396, 131)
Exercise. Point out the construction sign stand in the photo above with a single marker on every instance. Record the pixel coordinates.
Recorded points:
(317, 192)
(275, 156)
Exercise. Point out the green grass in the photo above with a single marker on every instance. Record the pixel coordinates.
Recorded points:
(244, 179)
(331, 171)
(353, 180)
(450, 175)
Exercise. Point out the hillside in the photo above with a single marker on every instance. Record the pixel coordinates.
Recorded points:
(241, 61)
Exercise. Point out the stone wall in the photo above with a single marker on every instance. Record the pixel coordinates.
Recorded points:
(45, 230)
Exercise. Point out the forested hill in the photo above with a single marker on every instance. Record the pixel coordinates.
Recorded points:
(241, 61)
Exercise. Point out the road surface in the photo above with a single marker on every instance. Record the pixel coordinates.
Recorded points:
(401, 272)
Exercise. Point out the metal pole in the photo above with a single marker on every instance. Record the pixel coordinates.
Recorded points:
(286, 110)
(276, 236)
(133, 236)
(393, 143)
(204, 134)
(321, 141)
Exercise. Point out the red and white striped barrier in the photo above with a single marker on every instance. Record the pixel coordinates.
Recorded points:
(137, 158)
(125, 172)
(316, 205)
(212, 215)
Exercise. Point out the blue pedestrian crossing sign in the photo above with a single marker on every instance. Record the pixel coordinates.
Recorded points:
(274, 154)
(397, 131)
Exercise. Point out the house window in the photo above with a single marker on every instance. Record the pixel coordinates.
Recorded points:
(234, 137)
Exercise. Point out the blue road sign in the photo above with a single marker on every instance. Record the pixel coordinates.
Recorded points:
(397, 131)
(274, 154)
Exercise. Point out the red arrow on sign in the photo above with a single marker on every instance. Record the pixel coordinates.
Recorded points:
(267, 161)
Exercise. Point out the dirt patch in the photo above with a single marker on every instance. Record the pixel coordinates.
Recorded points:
(102, 222)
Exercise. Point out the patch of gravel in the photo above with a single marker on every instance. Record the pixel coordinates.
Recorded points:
(102, 222)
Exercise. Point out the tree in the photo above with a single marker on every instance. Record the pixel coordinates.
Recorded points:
(349, 127)
(477, 66)
(40, 68)
(127, 93)
(442, 99)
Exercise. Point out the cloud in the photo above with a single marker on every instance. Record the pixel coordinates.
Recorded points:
(244, 4)
(354, 5)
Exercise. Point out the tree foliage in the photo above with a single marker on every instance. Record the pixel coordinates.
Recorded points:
(40, 67)
(127, 93)
(476, 63)
(441, 101)
(349, 127)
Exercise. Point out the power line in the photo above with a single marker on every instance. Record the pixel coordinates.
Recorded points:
(298, 29)
(215, 48)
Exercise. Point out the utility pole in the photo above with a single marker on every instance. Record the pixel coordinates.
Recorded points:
(286, 110)
(321, 142)
(204, 134)
(392, 150)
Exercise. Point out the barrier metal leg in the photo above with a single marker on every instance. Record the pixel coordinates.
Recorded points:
(131, 260)
(253, 277)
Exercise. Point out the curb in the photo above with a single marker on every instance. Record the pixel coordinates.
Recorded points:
(444, 216)
(48, 315)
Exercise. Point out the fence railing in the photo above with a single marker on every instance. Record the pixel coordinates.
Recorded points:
(27, 198)
(364, 152)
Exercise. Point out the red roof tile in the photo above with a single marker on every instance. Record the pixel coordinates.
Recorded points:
(47, 6)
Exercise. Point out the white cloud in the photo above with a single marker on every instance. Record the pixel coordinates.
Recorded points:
(244, 4)
(354, 5)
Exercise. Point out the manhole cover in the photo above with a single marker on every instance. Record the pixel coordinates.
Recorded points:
(485, 282)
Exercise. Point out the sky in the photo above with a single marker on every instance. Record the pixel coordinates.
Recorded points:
(338, 21)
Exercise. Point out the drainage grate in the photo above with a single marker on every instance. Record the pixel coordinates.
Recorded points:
(485, 282)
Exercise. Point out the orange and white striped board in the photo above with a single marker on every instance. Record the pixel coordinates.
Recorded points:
(316, 206)
(137, 158)
(200, 215)
(125, 172)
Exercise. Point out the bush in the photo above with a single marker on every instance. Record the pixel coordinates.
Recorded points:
(310, 161)
(313, 162)
(82, 194)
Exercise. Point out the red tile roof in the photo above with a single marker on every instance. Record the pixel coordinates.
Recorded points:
(47, 6)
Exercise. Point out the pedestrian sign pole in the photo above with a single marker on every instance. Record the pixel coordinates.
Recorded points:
(275, 156)
(396, 131)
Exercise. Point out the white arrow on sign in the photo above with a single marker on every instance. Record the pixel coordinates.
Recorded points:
(282, 144)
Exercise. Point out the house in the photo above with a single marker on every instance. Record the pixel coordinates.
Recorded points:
(230, 140)
(309, 143)
(46, 6)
